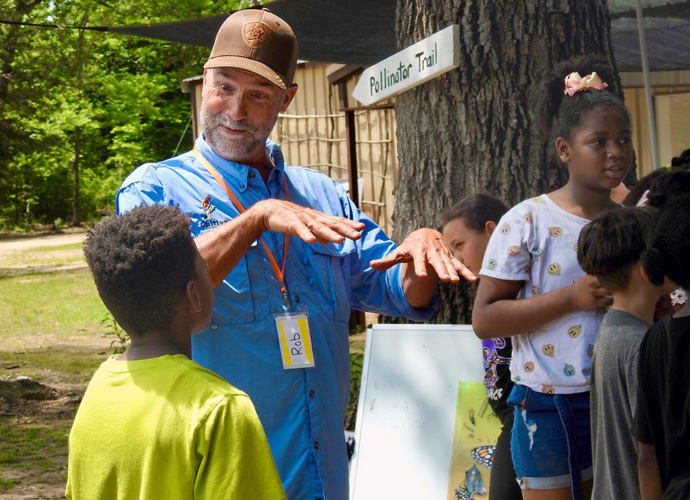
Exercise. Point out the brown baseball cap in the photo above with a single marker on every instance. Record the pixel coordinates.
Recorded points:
(257, 41)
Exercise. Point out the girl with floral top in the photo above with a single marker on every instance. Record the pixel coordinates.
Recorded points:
(533, 290)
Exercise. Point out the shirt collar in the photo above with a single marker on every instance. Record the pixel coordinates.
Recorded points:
(238, 173)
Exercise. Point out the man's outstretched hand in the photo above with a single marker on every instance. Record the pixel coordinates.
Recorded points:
(223, 247)
(425, 258)
(428, 253)
(306, 223)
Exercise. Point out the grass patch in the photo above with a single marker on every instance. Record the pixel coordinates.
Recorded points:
(30, 447)
(50, 331)
(67, 364)
(64, 301)
(6, 484)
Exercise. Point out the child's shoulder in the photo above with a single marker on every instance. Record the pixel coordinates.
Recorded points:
(527, 212)
(543, 211)
(539, 203)
(205, 376)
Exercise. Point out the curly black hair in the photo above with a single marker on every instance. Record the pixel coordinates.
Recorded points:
(681, 161)
(141, 262)
(476, 210)
(668, 252)
(560, 114)
(667, 186)
(609, 245)
(663, 182)
(642, 186)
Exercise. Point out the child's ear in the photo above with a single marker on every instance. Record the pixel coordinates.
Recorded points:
(193, 296)
(563, 149)
(641, 270)
(667, 286)
(489, 227)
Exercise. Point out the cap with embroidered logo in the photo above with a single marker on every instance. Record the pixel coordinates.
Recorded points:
(257, 41)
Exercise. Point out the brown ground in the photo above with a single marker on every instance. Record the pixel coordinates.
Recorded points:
(34, 483)
(51, 405)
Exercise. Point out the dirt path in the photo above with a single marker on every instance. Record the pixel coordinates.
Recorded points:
(41, 241)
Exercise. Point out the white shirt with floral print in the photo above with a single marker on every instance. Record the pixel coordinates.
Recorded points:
(536, 242)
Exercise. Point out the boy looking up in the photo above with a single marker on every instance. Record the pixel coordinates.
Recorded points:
(153, 424)
(610, 248)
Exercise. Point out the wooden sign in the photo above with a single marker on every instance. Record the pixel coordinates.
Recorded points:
(408, 68)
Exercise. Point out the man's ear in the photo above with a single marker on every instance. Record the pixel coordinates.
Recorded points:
(192, 295)
(563, 149)
(288, 96)
(489, 227)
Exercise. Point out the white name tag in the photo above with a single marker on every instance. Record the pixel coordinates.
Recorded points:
(295, 340)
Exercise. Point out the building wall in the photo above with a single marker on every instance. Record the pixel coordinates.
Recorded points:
(312, 134)
(671, 102)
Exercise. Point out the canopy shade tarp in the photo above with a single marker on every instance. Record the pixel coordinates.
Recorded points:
(362, 32)
(332, 31)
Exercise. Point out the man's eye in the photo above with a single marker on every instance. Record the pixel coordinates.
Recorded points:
(459, 245)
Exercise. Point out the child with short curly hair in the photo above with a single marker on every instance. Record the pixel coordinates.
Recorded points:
(153, 424)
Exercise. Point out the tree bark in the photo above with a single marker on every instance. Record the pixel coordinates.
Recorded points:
(76, 188)
(473, 129)
(76, 192)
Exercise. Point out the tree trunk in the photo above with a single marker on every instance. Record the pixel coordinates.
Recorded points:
(76, 199)
(76, 189)
(472, 129)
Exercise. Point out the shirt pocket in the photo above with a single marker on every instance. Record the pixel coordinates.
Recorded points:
(325, 280)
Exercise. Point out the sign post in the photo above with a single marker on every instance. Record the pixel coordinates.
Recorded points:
(408, 68)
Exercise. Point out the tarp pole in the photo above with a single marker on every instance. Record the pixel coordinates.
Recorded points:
(647, 85)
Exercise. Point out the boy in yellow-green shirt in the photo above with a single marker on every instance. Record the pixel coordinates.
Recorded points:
(153, 424)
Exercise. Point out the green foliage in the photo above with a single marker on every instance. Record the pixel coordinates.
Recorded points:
(6, 484)
(120, 340)
(87, 103)
(356, 365)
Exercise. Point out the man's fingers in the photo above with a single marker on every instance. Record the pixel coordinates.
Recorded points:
(463, 271)
(309, 224)
(420, 261)
(393, 258)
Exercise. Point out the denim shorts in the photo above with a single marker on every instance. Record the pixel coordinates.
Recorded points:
(551, 440)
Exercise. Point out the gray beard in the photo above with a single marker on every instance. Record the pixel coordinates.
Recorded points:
(233, 149)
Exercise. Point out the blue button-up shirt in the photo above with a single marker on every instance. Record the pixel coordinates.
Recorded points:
(302, 410)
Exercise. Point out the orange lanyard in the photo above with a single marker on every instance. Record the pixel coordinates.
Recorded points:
(240, 208)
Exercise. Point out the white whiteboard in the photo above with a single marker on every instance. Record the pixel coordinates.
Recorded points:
(406, 411)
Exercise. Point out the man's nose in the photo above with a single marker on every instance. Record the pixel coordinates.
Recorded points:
(236, 107)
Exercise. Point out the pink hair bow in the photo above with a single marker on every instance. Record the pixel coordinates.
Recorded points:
(575, 83)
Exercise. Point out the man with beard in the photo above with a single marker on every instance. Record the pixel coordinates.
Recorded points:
(289, 254)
